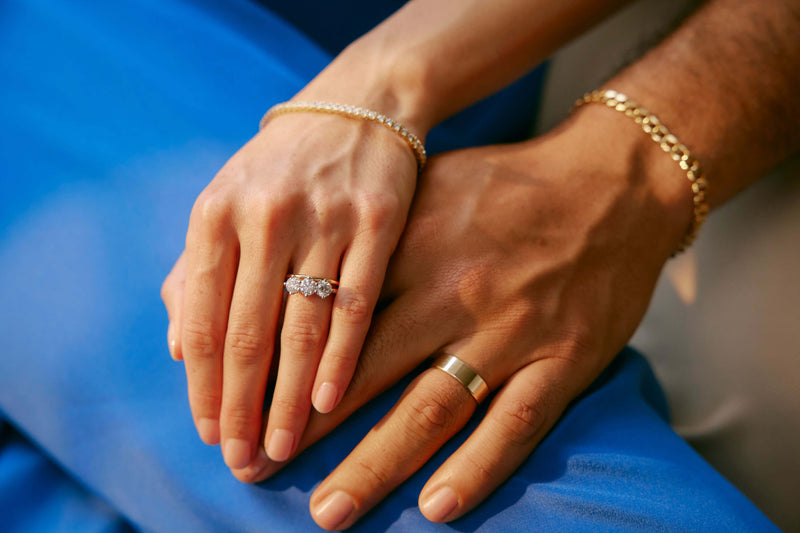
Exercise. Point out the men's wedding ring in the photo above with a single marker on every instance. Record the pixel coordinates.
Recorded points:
(452, 365)
(309, 285)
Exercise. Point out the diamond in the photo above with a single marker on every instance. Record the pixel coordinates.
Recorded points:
(307, 287)
(324, 288)
(292, 285)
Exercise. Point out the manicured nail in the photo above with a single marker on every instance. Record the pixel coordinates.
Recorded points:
(260, 462)
(208, 430)
(440, 505)
(334, 510)
(237, 453)
(326, 398)
(281, 445)
(171, 342)
(256, 470)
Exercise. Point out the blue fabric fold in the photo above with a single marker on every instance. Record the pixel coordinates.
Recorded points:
(115, 115)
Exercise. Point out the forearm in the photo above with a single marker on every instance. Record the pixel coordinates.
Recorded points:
(725, 83)
(435, 57)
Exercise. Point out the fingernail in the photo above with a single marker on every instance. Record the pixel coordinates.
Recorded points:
(237, 453)
(260, 461)
(440, 505)
(173, 349)
(326, 398)
(171, 342)
(256, 470)
(208, 430)
(281, 445)
(334, 510)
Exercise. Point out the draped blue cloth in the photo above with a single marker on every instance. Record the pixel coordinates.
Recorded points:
(114, 116)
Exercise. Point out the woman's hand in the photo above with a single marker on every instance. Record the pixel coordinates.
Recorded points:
(533, 263)
(327, 197)
(313, 194)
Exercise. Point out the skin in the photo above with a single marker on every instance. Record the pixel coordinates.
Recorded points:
(544, 260)
(328, 197)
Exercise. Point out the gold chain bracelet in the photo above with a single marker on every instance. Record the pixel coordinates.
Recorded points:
(670, 144)
(352, 112)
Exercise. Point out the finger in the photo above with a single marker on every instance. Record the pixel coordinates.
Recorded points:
(520, 415)
(431, 411)
(303, 336)
(363, 269)
(434, 407)
(172, 295)
(211, 259)
(400, 339)
(249, 342)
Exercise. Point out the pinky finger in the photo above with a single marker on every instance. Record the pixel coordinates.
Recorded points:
(520, 415)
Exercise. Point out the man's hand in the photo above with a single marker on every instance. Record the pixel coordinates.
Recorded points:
(533, 263)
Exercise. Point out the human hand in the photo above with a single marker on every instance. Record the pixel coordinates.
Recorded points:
(533, 263)
(320, 195)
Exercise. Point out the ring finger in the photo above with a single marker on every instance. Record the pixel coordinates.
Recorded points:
(434, 407)
(521, 414)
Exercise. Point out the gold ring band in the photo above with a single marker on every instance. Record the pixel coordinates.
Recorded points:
(452, 365)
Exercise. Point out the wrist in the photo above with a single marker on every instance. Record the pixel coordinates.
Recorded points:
(658, 194)
(369, 75)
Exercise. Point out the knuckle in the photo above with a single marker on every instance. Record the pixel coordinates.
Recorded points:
(211, 209)
(245, 345)
(378, 210)
(472, 283)
(340, 359)
(370, 476)
(573, 348)
(521, 420)
(352, 307)
(479, 469)
(302, 337)
(239, 419)
(200, 341)
(290, 408)
(206, 402)
(431, 415)
(576, 341)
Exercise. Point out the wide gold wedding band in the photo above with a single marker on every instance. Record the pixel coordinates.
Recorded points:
(452, 365)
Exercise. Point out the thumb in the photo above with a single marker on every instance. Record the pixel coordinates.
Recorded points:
(172, 295)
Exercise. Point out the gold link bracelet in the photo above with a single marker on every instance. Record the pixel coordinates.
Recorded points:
(352, 112)
(670, 144)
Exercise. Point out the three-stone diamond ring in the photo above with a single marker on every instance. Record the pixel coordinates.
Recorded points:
(309, 285)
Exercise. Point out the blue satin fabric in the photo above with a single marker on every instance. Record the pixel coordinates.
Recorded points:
(114, 116)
